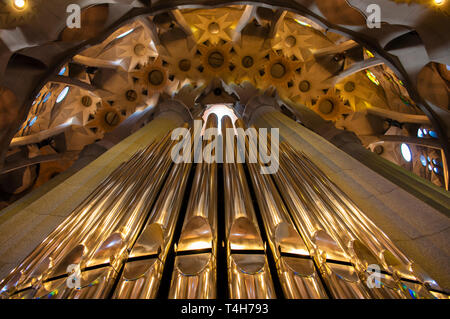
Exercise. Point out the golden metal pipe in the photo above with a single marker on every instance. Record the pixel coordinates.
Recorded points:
(248, 274)
(296, 270)
(350, 219)
(126, 229)
(141, 277)
(35, 264)
(194, 275)
(91, 225)
(309, 222)
(335, 220)
(328, 240)
(102, 245)
(325, 240)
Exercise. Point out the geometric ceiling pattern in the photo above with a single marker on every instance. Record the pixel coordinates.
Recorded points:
(131, 68)
(144, 68)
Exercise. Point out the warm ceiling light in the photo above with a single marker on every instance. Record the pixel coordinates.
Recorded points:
(439, 2)
(19, 4)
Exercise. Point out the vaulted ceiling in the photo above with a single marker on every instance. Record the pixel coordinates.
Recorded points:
(68, 87)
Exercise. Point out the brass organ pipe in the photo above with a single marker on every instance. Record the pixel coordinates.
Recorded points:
(86, 211)
(143, 192)
(313, 219)
(141, 278)
(317, 209)
(344, 202)
(132, 213)
(307, 210)
(104, 215)
(304, 202)
(306, 222)
(350, 219)
(194, 274)
(106, 273)
(296, 270)
(37, 256)
(338, 227)
(194, 207)
(248, 274)
(312, 213)
(346, 220)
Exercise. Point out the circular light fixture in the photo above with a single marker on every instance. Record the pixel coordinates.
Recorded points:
(349, 86)
(326, 106)
(247, 62)
(86, 101)
(213, 28)
(290, 41)
(184, 65)
(216, 59)
(304, 86)
(63, 94)
(278, 70)
(156, 77)
(19, 4)
(439, 2)
(406, 152)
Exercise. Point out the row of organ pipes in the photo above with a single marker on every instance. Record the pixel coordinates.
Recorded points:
(151, 230)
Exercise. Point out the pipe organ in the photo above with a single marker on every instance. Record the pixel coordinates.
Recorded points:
(158, 229)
